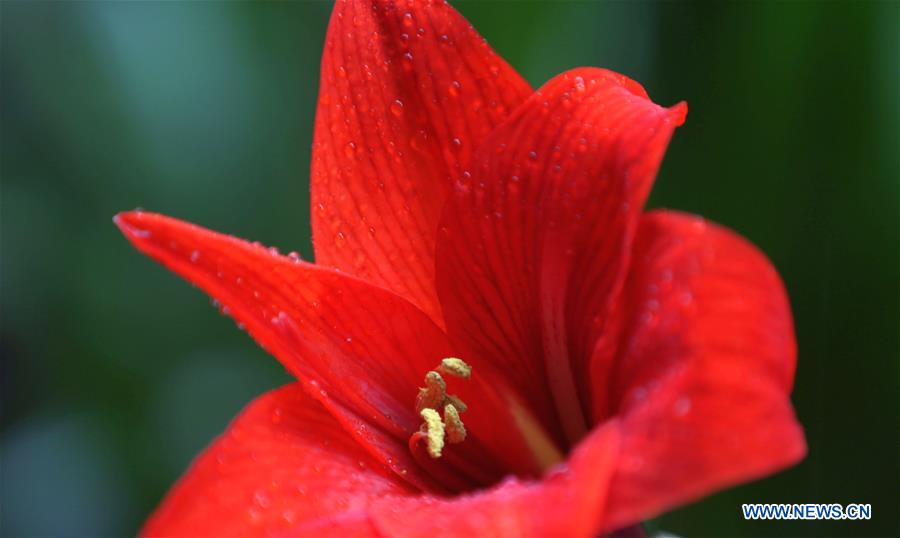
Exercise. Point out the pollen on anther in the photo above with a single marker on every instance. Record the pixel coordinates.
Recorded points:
(434, 430)
(434, 393)
(455, 367)
(434, 379)
(432, 400)
(456, 431)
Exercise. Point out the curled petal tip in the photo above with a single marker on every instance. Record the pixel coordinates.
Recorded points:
(129, 223)
(678, 113)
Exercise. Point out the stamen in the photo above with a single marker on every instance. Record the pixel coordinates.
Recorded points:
(434, 380)
(434, 398)
(434, 429)
(456, 431)
(456, 402)
(455, 367)
(434, 393)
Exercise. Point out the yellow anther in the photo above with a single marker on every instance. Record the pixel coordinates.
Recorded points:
(456, 431)
(457, 403)
(433, 399)
(455, 367)
(432, 396)
(434, 379)
(434, 429)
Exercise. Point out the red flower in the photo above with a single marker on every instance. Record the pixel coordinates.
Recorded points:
(623, 362)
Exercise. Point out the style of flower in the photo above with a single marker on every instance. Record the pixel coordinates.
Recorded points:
(496, 339)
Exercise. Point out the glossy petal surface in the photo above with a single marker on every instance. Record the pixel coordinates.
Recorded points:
(408, 91)
(534, 245)
(567, 502)
(284, 462)
(361, 350)
(704, 370)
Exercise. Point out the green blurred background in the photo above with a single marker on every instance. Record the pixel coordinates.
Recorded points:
(115, 373)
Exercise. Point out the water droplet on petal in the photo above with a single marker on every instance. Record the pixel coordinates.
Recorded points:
(397, 108)
(262, 499)
(579, 84)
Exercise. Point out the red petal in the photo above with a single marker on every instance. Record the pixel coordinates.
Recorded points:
(283, 462)
(361, 350)
(407, 93)
(567, 502)
(706, 363)
(534, 245)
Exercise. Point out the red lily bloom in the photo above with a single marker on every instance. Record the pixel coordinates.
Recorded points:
(622, 362)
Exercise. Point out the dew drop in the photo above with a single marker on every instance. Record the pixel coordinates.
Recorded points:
(137, 232)
(195, 256)
(579, 84)
(397, 108)
(262, 499)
